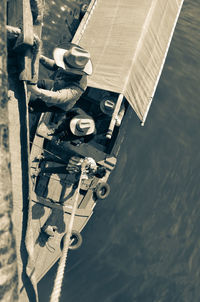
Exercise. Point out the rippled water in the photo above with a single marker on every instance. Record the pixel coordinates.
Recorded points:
(143, 243)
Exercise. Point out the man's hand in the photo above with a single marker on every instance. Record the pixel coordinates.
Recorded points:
(33, 88)
(34, 91)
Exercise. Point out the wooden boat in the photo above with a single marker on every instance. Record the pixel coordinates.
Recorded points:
(127, 75)
(128, 53)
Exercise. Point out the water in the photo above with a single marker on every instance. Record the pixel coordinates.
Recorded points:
(143, 242)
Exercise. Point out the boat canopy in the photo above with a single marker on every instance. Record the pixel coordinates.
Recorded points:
(128, 41)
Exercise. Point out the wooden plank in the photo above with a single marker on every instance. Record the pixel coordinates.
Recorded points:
(19, 170)
(84, 212)
(20, 15)
(41, 187)
(37, 30)
(54, 189)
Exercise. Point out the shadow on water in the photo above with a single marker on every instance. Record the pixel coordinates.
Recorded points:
(142, 244)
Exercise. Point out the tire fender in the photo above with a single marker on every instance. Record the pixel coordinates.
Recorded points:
(102, 190)
(78, 240)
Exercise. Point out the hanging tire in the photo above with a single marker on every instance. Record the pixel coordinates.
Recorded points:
(77, 241)
(102, 190)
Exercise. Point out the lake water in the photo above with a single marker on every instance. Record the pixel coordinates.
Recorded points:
(143, 242)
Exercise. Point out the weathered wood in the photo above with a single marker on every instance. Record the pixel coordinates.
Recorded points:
(18, 12)
(19, 15)
(8, 259)
(82, 212)
(37, 30)
(19, 147)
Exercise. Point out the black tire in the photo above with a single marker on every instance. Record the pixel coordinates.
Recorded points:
(102, 190)
(75, 245)
(78, 240)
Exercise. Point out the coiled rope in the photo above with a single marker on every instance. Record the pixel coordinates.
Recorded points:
(62, 263)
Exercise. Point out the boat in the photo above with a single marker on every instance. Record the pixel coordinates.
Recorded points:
(128, 42)
(128, 59)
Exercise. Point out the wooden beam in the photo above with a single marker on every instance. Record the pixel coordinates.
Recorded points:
(20, 15)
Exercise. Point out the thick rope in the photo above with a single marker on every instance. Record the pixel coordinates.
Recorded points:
(60, 272)
(13, 32)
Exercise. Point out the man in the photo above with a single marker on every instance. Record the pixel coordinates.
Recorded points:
(75, 165)
(77, 127)
(69, 80)
(87, 165)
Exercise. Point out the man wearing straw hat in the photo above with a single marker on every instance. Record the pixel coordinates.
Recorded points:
(78, 127)
(71, 67)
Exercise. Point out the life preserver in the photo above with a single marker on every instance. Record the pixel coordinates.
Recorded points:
(102, 190)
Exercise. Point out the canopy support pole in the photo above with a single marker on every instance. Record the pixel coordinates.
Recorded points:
(114, 116)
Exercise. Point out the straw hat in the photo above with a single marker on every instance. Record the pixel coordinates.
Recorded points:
(73, 58)
(107, 106)
(81, 126)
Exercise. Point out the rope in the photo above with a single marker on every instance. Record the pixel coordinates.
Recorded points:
(60, 272)
(14, 32)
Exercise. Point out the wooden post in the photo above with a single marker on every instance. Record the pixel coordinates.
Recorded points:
(8, 259)
(19, 15)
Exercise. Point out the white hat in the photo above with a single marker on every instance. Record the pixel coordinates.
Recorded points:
(107, 106)
(81, 126)
(73, 58)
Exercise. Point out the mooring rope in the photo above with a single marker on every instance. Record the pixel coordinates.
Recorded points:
(62, 263)
(14, 32)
